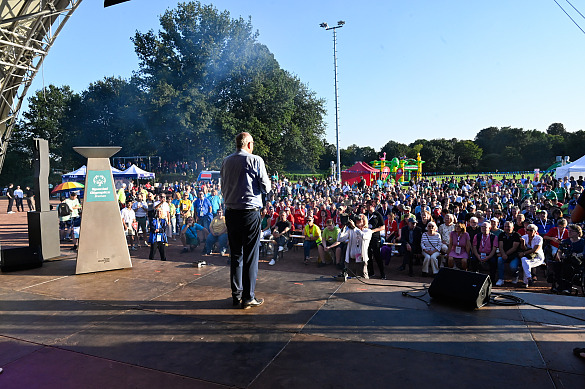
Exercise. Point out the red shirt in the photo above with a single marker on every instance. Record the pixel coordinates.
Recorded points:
(273, 219)
(556, 232)
(299, 215)
(391, 226)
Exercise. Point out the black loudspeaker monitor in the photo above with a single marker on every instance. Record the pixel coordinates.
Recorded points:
(467, 289)
(20, 258)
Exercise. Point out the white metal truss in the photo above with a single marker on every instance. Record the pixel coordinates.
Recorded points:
(28, 29)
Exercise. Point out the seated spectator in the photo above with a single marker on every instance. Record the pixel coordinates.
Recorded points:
(473, 228)
(484, 249)
(217, 234)
(531, 254)
(410, 241)
(431, 249)
(519, 222)
(357, 235)
(460, 246)
(445, 231)
(330, 246)
(280, 233)
(556, 235)
(542, 222)
(312, 235)
(509, 243)
(494, 226)
(562, 271)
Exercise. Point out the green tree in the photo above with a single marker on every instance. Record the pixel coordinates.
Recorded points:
(556, 129)
(208, 78)
(46, 118)
(468, 154)
(394, 150)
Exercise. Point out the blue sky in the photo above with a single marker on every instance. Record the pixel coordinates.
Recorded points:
(408, 69)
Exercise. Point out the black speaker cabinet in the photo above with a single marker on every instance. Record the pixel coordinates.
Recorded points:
(20, 258)
(469, 290)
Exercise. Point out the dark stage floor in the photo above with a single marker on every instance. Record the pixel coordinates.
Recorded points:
(172, 325)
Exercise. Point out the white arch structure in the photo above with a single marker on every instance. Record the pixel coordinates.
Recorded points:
(28, 29)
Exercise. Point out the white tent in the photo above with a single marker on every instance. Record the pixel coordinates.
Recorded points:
(79, 174)
(135, 172)
(574, 169)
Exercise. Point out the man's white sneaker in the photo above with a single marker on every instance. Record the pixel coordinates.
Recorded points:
(272, 262)
(500, 283)
(515, 280)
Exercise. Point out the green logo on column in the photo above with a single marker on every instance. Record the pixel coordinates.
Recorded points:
(99, 186)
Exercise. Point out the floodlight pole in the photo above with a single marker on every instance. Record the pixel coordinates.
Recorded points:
(326, 27)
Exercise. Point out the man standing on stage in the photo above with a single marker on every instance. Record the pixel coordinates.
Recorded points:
(244, 180)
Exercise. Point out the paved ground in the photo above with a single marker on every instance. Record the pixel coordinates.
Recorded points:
(171, 325)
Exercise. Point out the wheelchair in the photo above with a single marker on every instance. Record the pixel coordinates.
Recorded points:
(572, 271)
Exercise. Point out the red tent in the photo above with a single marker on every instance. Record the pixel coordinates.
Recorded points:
(356, 172)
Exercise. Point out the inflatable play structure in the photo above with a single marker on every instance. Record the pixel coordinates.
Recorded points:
(397, 170)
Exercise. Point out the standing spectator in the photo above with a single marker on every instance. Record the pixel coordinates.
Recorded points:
(64, 214)
(18, 197)
(30, 198)
(216, 201)
(203, 210)
(244, 181)
(10, 195)
(177, 203)
(140, 208)
(158, 235)
(122, 195)
(129, 221)
(376, 224)
(357, 235)
(75, 207)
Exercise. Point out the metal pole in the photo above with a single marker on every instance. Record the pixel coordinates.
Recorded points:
(336, 107)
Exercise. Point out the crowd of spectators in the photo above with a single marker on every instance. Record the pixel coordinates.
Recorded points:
(514, 224)
(480, 224)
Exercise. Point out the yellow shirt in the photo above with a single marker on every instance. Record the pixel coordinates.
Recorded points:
(217, 226)
(311, 232)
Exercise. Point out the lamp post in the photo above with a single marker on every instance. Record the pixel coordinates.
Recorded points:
(326, 27)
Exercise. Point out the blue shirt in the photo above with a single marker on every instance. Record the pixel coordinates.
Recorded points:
(202, 208)
(244, 180)
(215, 203)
